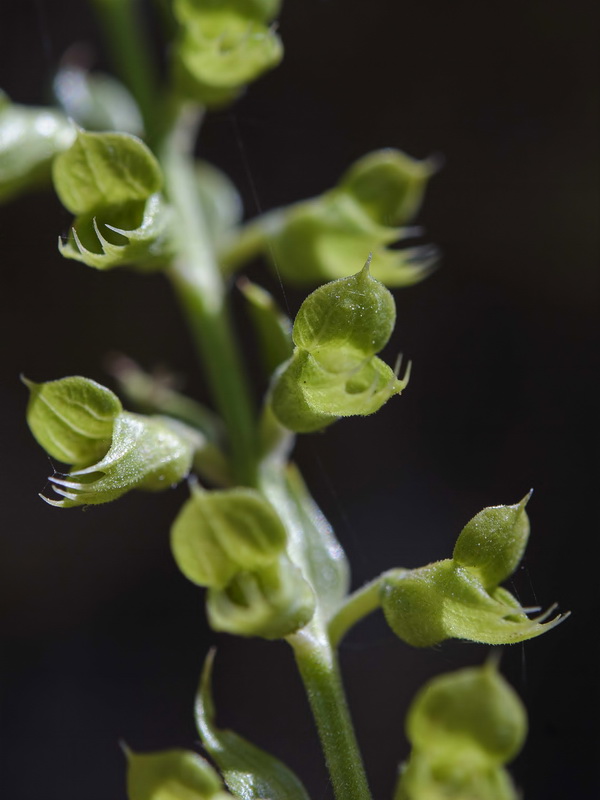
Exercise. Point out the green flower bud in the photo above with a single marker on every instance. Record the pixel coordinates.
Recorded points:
(270, 602)
(172, 775)
(111, 182)
(223, 46)
(317, 239)
(463, 727)
(29, 140)
(443, 600)
(493, 542)
(80, 422)
(333, 371)
(388, 185)
(221, 533)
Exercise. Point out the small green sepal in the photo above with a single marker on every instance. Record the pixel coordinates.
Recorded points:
(463, 728)
(334, 371)
(249, 772)
(493, 542)
(30, 138)
(219, 534)
(270, 602)
(172, 775)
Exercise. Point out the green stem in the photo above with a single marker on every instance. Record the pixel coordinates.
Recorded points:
(356, 606)
(320, 673)
(250, 241)
(130, 51)
(201, 291)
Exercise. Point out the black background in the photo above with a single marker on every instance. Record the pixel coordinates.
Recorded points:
(102, 640)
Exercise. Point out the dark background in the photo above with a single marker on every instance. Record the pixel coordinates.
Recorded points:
(102, 640)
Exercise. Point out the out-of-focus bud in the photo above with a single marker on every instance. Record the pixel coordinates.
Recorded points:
(220, 201)
(223, 46)
(29, 140)
(111, 182)
(493, 542)
(172, 775)
(334, 371)
(218, 534)
(112, 451)
(463, 728)
(271, 602)
(318, 239)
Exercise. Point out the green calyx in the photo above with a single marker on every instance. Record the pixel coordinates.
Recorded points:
(366, 212)
(333, 371)
(172, 775)
(233, 542)
(460, 597)
(112, 182)
(223, 46)
(463, 728)
(80, 422)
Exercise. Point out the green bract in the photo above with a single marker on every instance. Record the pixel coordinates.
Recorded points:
(111, 182)
(220, 200)
(334, 371)
(29, 139)
(272, 326)
(316, 240)
(449, 599)
(249, 772)
(223, 45)
(112, 451)
(463, 727)
(172, 775)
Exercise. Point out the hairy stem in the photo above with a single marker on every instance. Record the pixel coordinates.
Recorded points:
(357, 606)
(201, 291)
(317, 663)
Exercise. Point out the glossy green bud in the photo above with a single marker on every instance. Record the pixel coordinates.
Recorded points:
(443, 600)
(493, 542)
(389, 185)
(30, 138)
(463, 727)
(72, 418)
(96, 102)
(111, 182)
(250, 773)
(333, 371)
(223, 46)
(218, 534)
(172, 775)
(270, 602)
(80, 422)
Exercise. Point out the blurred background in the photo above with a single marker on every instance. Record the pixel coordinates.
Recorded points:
(102, 640)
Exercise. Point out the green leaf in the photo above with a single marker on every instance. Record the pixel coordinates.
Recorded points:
(220, 533)
(249, 772)
(222, 47)
(96, 102)
(72, 418)
(271, 602)
(29, 140)
(150, 453)
(136, 234)
(102, 171)
(493, 542)
(273, 327)
(172, 775)
(441, 601)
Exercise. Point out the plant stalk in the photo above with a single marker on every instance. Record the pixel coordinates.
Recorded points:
(201, 291)
(357, 606)
(317, 663)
